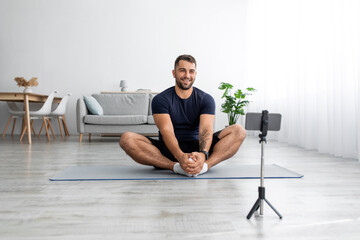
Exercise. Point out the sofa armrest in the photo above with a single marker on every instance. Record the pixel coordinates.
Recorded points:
(81, 111)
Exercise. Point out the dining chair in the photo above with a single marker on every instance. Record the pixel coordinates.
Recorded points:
(42, 113)
(15, 113)
(59, 114)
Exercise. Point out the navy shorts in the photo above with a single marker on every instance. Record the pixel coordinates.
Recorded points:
(187, 146)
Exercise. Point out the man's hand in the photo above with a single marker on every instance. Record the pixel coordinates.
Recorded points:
(184, 161)
(194, 167)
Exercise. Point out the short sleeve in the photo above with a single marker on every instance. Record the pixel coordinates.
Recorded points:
(207, 105)
(160, 105)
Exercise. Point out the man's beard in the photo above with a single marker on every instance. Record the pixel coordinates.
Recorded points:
(181, 86)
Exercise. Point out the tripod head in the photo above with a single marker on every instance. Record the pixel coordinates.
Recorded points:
(263, 122)
(264, 126)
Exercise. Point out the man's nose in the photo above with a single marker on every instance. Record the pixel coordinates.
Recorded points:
(187, 74)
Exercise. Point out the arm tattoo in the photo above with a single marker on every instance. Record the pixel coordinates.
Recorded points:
(204, 138)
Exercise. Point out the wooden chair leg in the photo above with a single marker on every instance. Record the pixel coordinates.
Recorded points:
(80, 137)
(60, 126)
(46, 128)
(65, 126)
(23, 124)
(52, 131)
(42, 126)
(7, 125)
(32, 127)
(23, 132)
(13, 128)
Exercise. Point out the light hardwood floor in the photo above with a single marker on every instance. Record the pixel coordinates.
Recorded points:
(325, 204)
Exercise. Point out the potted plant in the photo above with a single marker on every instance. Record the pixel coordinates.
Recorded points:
(21, 82)
(234, 104)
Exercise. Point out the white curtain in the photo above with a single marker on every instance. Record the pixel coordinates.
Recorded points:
(303, 57)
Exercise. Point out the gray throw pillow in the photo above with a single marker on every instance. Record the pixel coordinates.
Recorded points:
(93, 106)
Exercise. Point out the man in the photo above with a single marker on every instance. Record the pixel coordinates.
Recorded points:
(184, 116)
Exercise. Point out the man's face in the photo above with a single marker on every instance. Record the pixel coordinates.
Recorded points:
(185, 74)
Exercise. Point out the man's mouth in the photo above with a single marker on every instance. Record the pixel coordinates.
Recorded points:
(186, 81)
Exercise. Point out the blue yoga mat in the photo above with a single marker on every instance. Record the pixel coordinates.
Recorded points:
(92, 173)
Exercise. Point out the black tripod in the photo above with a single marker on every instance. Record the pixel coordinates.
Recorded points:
(260, 201)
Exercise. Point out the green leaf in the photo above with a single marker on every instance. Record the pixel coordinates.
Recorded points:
(238, 94)
(224, 86)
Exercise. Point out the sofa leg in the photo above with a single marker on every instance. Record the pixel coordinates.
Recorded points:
(80, 138)
(89, 137)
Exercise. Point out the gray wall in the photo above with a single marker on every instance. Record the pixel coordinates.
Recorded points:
(88, 46)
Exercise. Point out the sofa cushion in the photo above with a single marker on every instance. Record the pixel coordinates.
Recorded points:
(124, 104)
(152, 95)
(150, 120)
(115, 119)
(93, 106)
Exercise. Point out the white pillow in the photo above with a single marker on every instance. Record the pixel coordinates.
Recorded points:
(93, 106)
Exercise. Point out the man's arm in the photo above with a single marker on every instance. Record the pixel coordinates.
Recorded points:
(206, 131)
(166, 128)
(205, 140)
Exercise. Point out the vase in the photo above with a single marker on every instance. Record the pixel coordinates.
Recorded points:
(27, 90)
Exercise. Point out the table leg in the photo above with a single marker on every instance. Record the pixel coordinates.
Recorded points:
(27, 117)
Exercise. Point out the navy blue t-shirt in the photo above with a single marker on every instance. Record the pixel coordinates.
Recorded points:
(184, 113)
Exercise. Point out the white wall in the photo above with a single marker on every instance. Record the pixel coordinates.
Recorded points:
(88, 46)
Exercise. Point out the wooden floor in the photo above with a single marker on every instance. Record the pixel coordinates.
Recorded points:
(325, 204)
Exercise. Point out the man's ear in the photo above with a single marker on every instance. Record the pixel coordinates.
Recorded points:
(173, 72)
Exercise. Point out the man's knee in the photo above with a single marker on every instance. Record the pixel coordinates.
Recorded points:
(239, 132)
(126, 139)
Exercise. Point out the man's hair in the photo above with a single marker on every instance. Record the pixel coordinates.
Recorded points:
(184, 57)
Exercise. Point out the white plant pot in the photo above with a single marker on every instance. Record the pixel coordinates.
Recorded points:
(27, 90)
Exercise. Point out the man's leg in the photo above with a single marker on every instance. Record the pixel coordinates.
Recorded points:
(139, 148)
(230, 140)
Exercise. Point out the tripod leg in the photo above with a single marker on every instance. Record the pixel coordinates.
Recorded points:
(280, 216)
(254, 208)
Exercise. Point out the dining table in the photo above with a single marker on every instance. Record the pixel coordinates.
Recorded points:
(26, 98)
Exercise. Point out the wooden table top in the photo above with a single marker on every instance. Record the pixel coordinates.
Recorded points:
(19, 97)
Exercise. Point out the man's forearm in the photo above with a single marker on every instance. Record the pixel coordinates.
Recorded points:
(205, 139)
(172, 144)
(164, 124)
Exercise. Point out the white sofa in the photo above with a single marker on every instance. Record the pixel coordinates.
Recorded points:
(122, 112)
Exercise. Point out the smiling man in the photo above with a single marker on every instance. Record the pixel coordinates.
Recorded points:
(184, 116)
